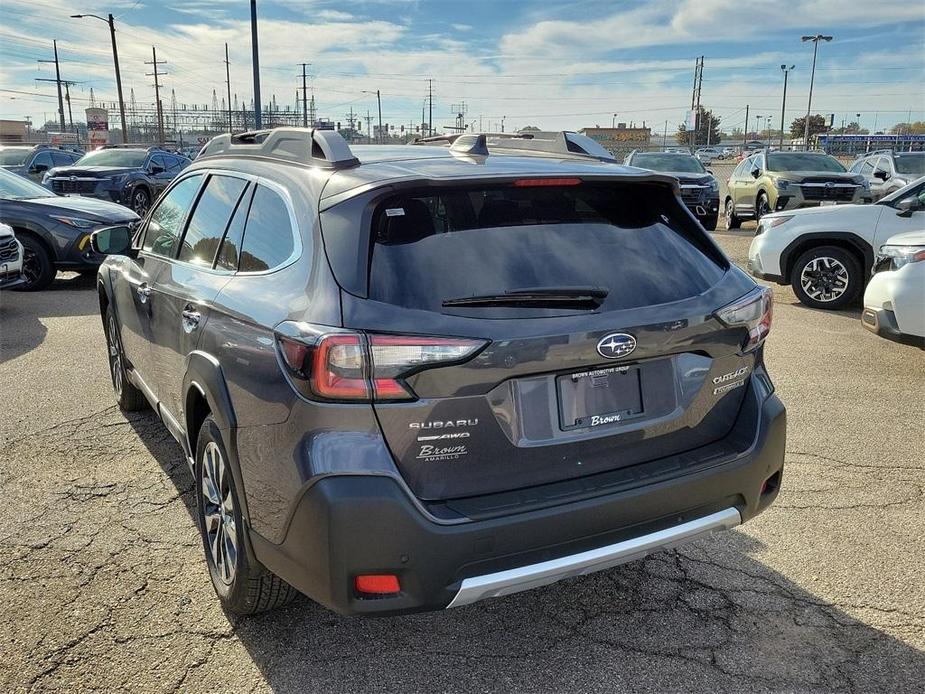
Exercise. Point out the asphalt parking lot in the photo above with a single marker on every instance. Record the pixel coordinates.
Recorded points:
(102, 584)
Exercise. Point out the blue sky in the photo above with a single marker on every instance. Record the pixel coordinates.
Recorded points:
(550, 64)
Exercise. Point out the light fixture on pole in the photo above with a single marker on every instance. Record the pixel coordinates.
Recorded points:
(613, 124)
(809, 104)
(783, 106)
(115, 60)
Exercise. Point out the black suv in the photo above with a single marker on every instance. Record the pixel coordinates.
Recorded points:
(32, 161)
(699, 187)
(132, 176)
(412, 377)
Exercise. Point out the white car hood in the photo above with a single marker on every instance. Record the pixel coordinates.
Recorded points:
(908, 238)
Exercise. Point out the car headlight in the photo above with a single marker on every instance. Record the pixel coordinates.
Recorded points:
(46, 177)
(76, 222)
(713, 185)
(895, 257)
(770, 222)
(782, 183)
(863, 182)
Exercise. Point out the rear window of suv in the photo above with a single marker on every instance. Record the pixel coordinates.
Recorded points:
(429, 246)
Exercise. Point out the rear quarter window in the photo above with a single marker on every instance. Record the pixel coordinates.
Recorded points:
(269, 239)
(431, 246)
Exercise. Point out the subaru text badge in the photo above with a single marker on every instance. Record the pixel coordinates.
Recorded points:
(616, 345)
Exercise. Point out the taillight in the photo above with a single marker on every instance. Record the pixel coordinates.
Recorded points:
(361, 367)
(752, 311)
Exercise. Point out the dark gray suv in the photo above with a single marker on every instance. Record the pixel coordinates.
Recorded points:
(412, 377)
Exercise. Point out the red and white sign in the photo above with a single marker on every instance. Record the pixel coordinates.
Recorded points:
(98, 126)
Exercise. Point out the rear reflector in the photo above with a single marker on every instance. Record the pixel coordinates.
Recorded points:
(538, 182)
(377, 584)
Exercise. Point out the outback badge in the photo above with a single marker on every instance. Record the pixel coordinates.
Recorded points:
(616, 345)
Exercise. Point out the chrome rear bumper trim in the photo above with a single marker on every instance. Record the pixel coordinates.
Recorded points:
(536, 575)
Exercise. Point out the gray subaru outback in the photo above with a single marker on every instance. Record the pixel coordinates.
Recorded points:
(413, 377)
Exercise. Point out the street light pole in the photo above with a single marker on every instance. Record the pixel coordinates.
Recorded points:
(783, 104)
(613, 123)
(809, 105)
(115, 61)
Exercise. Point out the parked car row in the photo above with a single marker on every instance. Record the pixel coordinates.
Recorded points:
(829, 254)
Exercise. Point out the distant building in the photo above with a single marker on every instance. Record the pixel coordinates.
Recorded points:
(13, 130)
(620, 140)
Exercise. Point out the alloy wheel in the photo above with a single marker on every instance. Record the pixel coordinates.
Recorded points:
(728, 212)
(824, 279)
(31, 268)
(140, 202)
(762, 208)
(218, 513)
(115, 356)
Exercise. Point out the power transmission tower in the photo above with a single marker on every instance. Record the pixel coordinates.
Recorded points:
(228, 84)
(58, 80)
(157, 92)
(92, 99)
(305, 95)
(176, 123)
(369, 127)
(311, 110)
(695, 99)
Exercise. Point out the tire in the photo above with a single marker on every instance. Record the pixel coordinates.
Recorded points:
(242, 584)
(709, 223)
(762, 207)
(130, 399)
(827, 277)
(732, 222)
(140, 201)
(37, 266)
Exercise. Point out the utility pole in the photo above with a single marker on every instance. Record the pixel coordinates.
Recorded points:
(430, 100)
(70, 114)
(176, 123)
(258, 120)
(115, 60)
(809, 105)
(665, 136)
(157, 93)
(228, 84)
(783, 104)
(745, 134)
(369, 126)
(695, 100)
(305, 95)
(58, 81)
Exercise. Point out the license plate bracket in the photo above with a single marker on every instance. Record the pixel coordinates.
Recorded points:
(599, 397)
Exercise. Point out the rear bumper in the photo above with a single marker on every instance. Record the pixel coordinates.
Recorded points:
(345, 526)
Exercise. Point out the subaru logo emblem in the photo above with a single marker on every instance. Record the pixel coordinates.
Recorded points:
(829, 184)
(73, 178)
(616, 345)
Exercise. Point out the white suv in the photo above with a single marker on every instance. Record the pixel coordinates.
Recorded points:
(894, 303)
(10, 258)
(826, 253)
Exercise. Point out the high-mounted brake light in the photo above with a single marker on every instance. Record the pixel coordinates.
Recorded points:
(355, 366)
(753, 311)
(540, 182)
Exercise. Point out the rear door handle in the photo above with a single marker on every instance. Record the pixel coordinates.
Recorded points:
(144, 291)
(191, 318)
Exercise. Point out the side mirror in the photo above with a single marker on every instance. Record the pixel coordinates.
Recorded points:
(907, 206)
(756, 172)
(710, 172)
(156, 169)
(115, 240)
(881, 174)
(38, 168)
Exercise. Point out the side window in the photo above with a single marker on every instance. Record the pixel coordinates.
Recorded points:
(166, 220)
(161, 161)
(177, 164)
(884, 164)
(43, 159)
(210, 218)
(61, 158)
(868, 167)
(268, 239)
(740, 169)
(856, 166)
(229, 251)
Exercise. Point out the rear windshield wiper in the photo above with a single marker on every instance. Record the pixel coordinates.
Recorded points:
(552, 297)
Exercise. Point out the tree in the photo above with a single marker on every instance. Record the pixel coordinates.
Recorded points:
(707, 129)
(736, 133)
(817, 124)
(916, 128)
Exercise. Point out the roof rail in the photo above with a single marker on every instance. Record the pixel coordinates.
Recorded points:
(542, 143)
(876, 151)
(324, 148)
